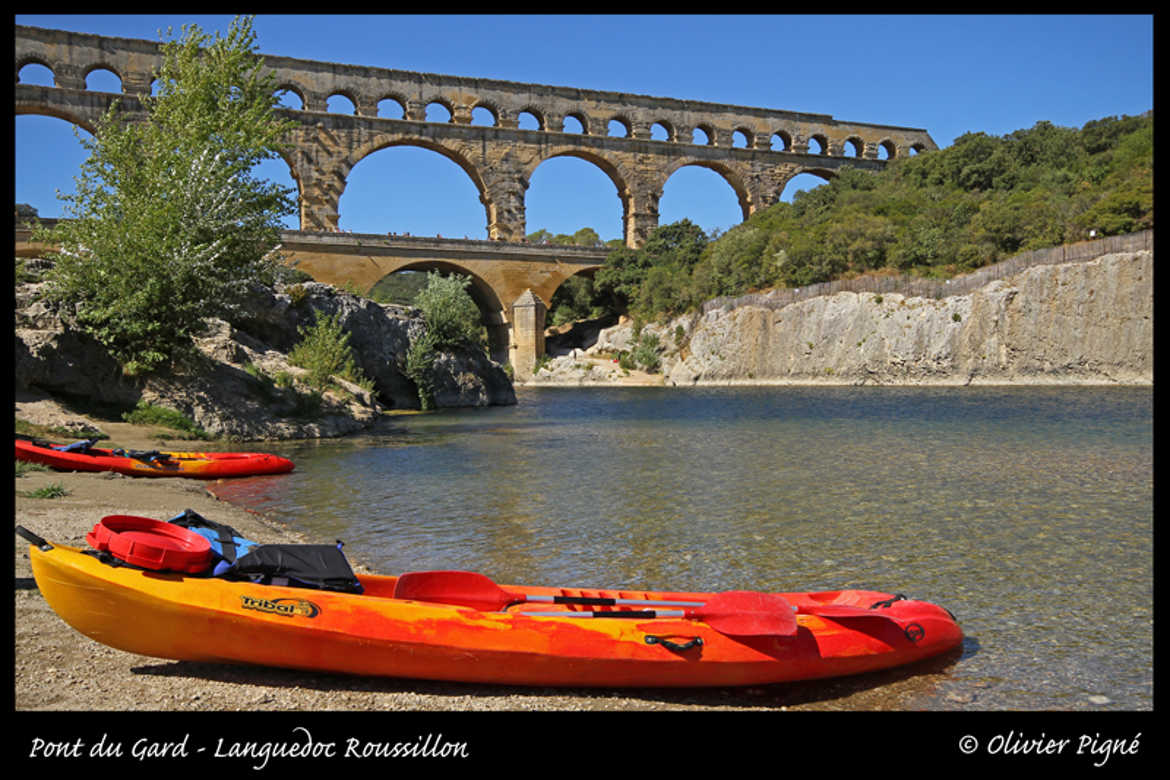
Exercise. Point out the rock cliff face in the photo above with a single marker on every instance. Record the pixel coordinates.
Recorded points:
(240, 383)
(1076, 323)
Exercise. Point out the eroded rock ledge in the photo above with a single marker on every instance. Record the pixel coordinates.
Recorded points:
(1074, 323)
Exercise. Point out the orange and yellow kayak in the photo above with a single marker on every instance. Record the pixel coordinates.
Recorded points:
(378, 632)
(198, 465)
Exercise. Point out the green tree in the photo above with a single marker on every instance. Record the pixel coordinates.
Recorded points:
(617, 282)
(574, 300)
(420, 362)
(679, 243)
(169, 225)
(324, 351)
(451, 319)
(734, 263)
(664, 291)
(450, 313)
(676, 248)
(586, 236)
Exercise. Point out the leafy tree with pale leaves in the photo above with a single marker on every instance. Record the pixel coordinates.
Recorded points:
(169, 225)
(452, 320)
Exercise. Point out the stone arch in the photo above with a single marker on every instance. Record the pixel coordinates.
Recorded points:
(443, 101)
(785, 139)
(749, 137)
(60, 130)
(890, 147)
(828, 174)
(665, 124)
(708, 130)
(348, 94)
(85, 123)
(733, 178)
(288, 156)
(34, 59)
(485, 297)
(615, 170)
(621, 177)
(822, 141)
(494, 312)
(102, 66)
(294, 89)
(491, 107)
(453, 154)
(786, 178)
(394, 97)
(387, 140)
(585, 273)
(625, 122)
(536, 113)
(581, 117)
(858, 146)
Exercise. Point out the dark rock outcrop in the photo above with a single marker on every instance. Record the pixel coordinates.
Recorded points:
(239, 383)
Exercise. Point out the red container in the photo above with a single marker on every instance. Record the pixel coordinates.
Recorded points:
(151, 544)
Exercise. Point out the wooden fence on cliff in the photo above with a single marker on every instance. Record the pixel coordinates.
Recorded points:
(911, 286)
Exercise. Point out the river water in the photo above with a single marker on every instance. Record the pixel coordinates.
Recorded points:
(1026, 511)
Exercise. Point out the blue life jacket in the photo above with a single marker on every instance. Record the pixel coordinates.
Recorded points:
(77, 446)
(226, 542)
(319, 566)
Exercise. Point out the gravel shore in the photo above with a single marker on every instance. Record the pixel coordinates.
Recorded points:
(58, 669)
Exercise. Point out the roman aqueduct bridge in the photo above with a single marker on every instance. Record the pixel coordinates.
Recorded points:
(756, 150)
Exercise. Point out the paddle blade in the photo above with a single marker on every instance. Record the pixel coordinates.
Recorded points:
(747, 613)
(459, 588)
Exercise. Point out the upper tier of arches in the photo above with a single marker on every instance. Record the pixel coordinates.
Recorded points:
(72, 57)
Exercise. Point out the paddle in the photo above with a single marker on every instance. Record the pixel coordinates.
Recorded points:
(841, 611)
(735, 612)
(471, 589)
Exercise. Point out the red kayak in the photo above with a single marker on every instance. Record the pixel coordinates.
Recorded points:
(83, 456)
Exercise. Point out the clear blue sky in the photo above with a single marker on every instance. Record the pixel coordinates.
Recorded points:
(948, 74)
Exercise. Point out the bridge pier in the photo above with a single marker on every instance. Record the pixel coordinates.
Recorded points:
(528, 315)
(511, 283)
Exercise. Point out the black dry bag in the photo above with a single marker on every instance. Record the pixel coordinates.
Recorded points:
(320, 566)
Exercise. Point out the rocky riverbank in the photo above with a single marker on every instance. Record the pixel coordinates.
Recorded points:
(1073, 323)
(240, 383)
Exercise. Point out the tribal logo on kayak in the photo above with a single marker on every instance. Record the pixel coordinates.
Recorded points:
(286, 607)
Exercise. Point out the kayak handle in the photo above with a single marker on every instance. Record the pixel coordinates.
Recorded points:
(33, 538)
(669, 645)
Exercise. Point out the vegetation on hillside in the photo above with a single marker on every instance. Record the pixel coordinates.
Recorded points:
(936, 214)
(168, 225)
